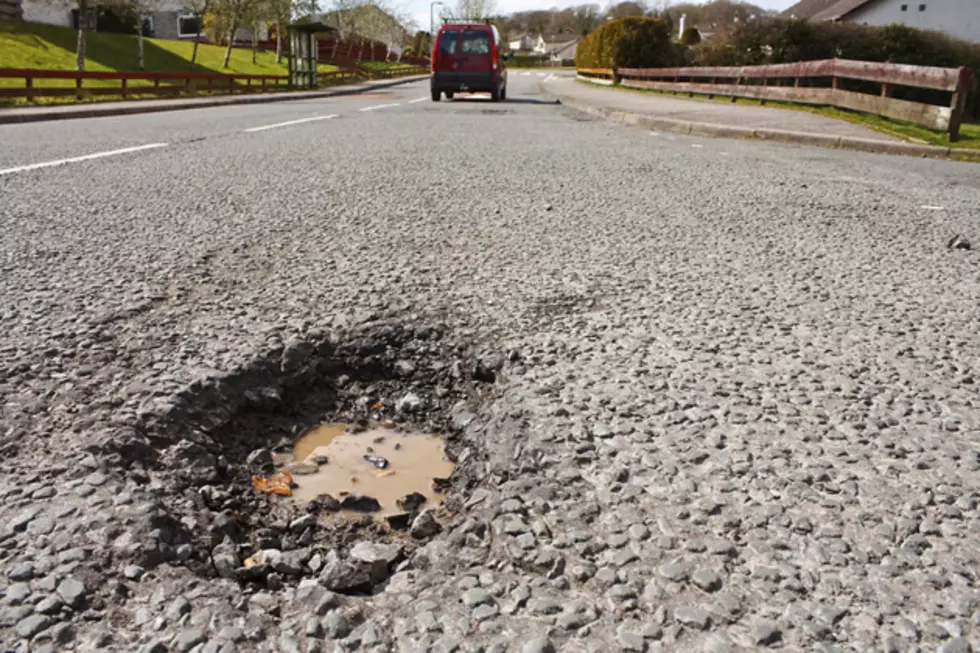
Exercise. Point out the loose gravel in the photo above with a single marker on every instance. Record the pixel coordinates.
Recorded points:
(713, 399)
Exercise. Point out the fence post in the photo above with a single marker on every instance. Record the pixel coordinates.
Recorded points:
(29, 85)
(156, 85)
(123, 87)
(616, 79)
(886, 89)
(958, 103)
(78, 89)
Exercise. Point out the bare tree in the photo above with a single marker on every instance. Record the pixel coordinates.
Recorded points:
(474, 9)
(279, 12)
(199, 9)
(233, 14)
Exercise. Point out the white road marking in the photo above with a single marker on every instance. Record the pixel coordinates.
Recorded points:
(380, 106)
(655, 133)
(525, 74)
(541, 74)
(288, 123)
(77, 159)
(696, 145)
(421, 99)
(933, 208)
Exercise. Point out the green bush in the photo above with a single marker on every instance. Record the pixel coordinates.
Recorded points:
(785, 41)
(528, 61)
(691, 36)
(629, 43)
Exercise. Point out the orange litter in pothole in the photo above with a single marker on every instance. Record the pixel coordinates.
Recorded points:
(280, 483)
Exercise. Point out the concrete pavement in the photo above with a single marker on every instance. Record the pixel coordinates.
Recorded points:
(132, 107)
(712, 118)
(702, 394)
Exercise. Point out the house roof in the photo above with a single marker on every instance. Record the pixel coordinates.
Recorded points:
(840, 9)
(824, 9)
(807, 9)
(567, 50)
(560, 38)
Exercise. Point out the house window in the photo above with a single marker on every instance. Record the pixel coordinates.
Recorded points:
(187, 26)
(905, 7)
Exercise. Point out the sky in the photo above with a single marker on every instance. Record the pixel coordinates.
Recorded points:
(419, 9)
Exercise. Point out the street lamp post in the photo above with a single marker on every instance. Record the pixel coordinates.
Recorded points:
(432, 20)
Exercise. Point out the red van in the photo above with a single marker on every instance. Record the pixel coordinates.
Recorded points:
(466, 58)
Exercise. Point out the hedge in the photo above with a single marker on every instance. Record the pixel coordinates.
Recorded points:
(629, 43)
(785, 41)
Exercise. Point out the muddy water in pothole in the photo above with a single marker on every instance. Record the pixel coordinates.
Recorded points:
(413, 462)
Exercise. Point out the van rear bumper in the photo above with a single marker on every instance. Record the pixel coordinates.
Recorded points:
(454, 82)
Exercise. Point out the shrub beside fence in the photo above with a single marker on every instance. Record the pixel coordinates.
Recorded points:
(816, 82)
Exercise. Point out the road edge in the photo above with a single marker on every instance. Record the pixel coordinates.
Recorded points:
(44, 114)
(690, 128)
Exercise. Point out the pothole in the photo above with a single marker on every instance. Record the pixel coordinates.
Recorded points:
(351, 470)
(398, 385)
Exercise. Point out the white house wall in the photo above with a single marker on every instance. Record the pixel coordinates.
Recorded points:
(958, 18)
(49, 13)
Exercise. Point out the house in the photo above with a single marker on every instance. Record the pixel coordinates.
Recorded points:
(10, 10)
(369, 22)
(957, 18)
(169, 19)
(520, 42)
(557, 46)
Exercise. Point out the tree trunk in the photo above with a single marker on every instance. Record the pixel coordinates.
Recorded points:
(279, 42)
(139, 41)
(231, 41)
(255, 43)
(82, 33)
(197, 39)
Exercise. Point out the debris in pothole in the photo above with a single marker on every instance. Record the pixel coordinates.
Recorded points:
(280, 483)
(375, 470)
(958, 242)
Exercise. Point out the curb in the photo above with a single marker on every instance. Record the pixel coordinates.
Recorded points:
(42, 114)
(688, 128)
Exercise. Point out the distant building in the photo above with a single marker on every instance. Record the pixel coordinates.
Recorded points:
(958, 18)
(10, 10)
(558, 47)
(169, 20)
(520, 42)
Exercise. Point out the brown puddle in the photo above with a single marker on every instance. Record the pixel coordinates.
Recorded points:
(413, 462)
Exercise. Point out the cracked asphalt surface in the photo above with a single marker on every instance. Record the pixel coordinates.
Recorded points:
(741, 413)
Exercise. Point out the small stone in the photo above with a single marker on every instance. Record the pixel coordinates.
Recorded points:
(133, 572)
(692, 617)
(411, 502)
(31, 626)
(336, 625)
(304, 468)
(20, 522)
(766, 634)
(957, 645)
(544, 606)
(72, 591)
(674, 571)
(477, 596)
(300, 524)
(410, 403)
(232, 634)
(572, 620)
(21, 571)
(958, 242)
(323, 503)
(178, 608)
(49, 605)
(707, 580)
(17, 593)
(484, 612)
(154, 646)
(313, 627)
(260, 459)
(624, 557)
(539, 645)
(360, 503)
(95, 479)
(45, 492)
(188, 639)
(425, 525)
(631, 642)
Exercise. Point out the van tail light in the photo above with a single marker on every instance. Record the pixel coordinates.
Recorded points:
(494, 54)
(435, 55)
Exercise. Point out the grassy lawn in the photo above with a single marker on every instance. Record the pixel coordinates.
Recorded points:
(386, 65)
(32, 45)
(969, 133)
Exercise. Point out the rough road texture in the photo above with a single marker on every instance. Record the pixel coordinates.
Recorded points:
(721, 398)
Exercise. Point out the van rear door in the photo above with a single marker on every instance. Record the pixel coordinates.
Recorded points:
(474, 56)
(447, 51)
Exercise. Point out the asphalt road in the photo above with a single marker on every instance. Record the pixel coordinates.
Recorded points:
(741, 412)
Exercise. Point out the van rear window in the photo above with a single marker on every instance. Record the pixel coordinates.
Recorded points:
(447, 41)
(476, 41)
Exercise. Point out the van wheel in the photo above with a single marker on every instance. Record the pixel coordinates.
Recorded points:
(503, 93)
(449, 95)
(495, 95)
(436, 96)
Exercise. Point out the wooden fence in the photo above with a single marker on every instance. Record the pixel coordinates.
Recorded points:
(817, 82)
(144, 83)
